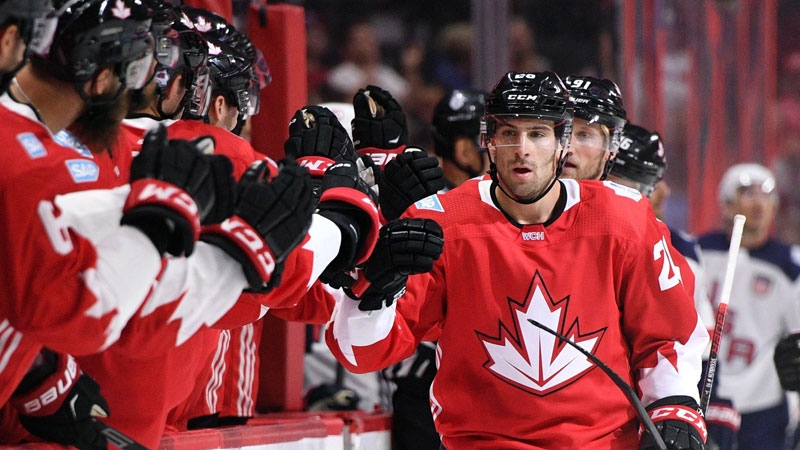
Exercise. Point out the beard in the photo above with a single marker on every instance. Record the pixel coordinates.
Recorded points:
(98, 126)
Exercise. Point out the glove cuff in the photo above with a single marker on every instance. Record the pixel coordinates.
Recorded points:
(243, 243)
(381, 156)
(316, 165)
(48, 396)
(369, 222)
(723, 415)
(680, 413)
(156, 201)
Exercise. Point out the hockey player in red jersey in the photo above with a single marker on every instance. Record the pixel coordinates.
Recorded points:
(584, 258)
(640, 164)
(60, 288)
(596, 129)
(178, 351)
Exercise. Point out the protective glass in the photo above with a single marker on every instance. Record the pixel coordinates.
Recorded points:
(199, 94)
(42, 31)
(591, 135)
(261, 70)
(253, 99)
(536, 134)
(137, 72)
(750, 188)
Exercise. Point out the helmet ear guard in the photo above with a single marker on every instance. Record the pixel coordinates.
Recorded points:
(92, 35)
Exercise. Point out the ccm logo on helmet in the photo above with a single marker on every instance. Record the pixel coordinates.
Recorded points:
(521, 97)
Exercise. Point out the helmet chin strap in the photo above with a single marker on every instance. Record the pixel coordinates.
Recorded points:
(496, 181)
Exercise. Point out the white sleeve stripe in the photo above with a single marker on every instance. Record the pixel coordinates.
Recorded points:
(9, 342)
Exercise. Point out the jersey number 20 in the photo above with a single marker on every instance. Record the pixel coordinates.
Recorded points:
(670, 274)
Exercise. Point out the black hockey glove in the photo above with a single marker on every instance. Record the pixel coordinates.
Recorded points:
(349, 203)
(379, 120)
(173, 188)
(61, 407)
(787, 362)
(271, 219)
(317, 140)
(679, 422)
(412, 176)
(404, 247)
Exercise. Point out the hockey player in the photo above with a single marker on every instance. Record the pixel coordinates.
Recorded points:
(24, 26)
(93, 291)
(640, 164)
(599, 119)
(584, 258)
(456, 137)
(763, 305)
(192, 301)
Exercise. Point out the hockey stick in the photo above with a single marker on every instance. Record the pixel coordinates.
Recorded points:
(621, 384)
(722, 311)
(117, 438)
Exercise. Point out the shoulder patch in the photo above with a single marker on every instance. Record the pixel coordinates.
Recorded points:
(431, 202)
(32, 145)
(67, 139)
(83, 171)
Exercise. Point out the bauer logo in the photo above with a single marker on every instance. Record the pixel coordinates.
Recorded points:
(32, 145)
(83, 171)
(432, 203)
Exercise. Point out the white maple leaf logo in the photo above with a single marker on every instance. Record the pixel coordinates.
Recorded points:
(202, 25)
(120, 10)
(213, 49)
(531, 358)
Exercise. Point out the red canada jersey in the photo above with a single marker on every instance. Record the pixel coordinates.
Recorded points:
(238, 150)
(601, 273)
(57, 287)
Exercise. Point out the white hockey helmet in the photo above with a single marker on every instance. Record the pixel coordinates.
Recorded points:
(745, 175)
(344, 112)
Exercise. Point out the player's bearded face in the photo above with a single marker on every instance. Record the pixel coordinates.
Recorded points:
(588, 151)
(98, 125)
(525, 155)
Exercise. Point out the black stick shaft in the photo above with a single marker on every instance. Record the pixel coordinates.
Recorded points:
(621, 384)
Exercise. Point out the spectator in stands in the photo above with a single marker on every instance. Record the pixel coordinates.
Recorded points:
(362, 65)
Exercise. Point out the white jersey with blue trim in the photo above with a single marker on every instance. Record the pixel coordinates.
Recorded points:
(688, 246)
(764, 305)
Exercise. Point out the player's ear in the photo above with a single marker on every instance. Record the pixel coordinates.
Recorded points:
(176, 87)
(103, 82)
(217, 108)
(461, 151)
(9, 35)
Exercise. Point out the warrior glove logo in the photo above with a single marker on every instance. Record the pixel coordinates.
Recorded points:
(533, 359)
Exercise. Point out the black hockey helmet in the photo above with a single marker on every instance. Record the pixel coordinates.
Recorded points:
(94, 34)
(35, 19)
(598, 101)
(164, 16)
(458, 113)
(539, 95)
(641, 158)
(183, 51)
(232, 61)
